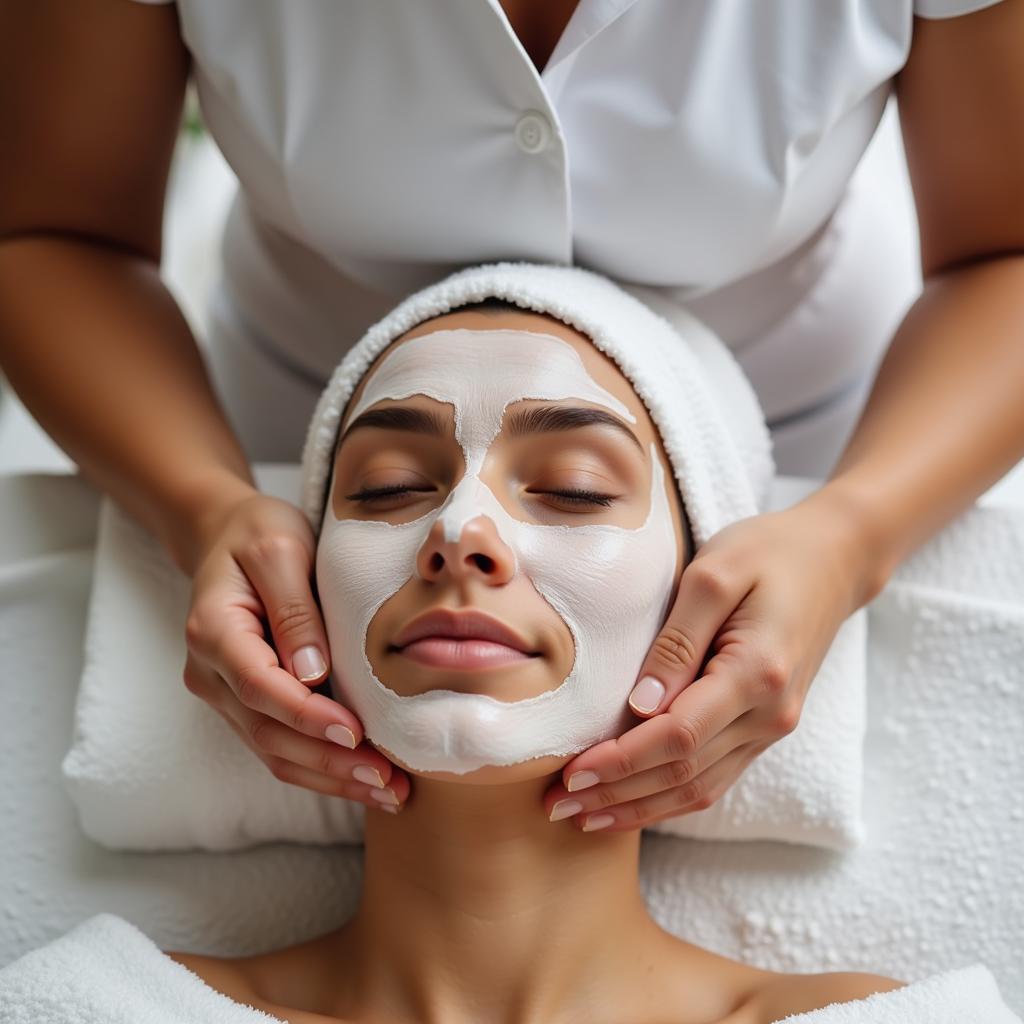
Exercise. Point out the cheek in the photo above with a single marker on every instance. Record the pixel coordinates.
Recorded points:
(680, 527)
(359, 565)
(610, 583)
(386, 622)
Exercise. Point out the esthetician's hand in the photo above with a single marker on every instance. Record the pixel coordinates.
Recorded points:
(254, 572)
(761, 602)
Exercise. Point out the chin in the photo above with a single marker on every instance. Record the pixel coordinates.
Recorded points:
(491, 775)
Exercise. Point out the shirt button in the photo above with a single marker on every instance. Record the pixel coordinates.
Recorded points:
(533, 132)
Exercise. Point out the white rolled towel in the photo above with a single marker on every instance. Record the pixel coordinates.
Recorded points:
(107, 971)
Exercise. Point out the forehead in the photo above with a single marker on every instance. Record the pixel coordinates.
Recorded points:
(597, 365)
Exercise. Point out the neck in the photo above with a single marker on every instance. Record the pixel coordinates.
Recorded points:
(476, 907)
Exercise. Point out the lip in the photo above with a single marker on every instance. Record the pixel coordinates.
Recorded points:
(465, 625)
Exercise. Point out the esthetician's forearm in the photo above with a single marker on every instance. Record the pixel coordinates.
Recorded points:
(90, 338)
(945, 418)
(99, 352)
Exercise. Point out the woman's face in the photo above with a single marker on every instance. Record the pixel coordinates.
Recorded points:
(398, 461)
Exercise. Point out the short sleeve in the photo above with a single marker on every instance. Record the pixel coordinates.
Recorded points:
(950, 8)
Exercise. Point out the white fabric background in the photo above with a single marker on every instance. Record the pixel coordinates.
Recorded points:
(700, 148)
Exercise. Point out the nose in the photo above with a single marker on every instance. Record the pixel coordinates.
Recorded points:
(478, 553)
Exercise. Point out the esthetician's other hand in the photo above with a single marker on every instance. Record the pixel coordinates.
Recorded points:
(254, 572)
(761, 603)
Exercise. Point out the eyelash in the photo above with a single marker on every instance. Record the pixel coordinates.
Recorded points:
(579, 496)
(370, 494)
(575, 495)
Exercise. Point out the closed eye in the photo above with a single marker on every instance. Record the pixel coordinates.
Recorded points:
(369, 494)
(578, 496)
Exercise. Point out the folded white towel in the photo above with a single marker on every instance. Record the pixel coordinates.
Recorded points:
(152, 767)
(107, 971)
(965, 995)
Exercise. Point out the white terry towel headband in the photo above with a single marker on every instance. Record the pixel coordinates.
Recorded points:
(709, 418)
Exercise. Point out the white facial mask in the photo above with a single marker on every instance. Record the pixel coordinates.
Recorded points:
(611, 585)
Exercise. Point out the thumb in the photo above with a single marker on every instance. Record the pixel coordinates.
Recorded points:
(704, 600)
(282, 581)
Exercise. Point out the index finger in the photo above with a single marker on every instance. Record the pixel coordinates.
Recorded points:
(250, 667)
(704, 601)
(697, 715)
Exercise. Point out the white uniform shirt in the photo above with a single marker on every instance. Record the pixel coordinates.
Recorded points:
(702, 148)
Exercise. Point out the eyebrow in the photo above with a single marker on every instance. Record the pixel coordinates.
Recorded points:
(542, 419)
(518, 423)
(397, 417)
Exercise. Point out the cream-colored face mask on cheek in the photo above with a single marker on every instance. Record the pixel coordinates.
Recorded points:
(611, 585)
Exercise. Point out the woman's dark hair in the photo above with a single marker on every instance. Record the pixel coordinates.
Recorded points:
(489, 305)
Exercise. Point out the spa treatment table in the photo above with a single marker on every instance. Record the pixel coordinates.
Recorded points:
(938, 884)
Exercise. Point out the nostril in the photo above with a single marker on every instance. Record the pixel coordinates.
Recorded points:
(436, 561)
(483, 562)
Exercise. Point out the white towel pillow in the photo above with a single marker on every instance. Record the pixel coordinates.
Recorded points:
(151, 767)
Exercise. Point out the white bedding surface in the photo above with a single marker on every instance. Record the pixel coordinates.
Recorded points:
(939, 883)
(145, 750)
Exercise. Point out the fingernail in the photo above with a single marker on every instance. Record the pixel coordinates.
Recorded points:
(364, 773)
(342, 735)
(596, 821)
(565, 809)
(384, 796)
(647, 694)
(308, 664)
(388, 808)
(582, 780)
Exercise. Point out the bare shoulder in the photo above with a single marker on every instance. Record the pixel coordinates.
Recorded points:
(228, 976)
(280, 983)
(781, 995)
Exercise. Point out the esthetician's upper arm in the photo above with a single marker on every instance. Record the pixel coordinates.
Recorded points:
(961, 104)
(89, 113)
